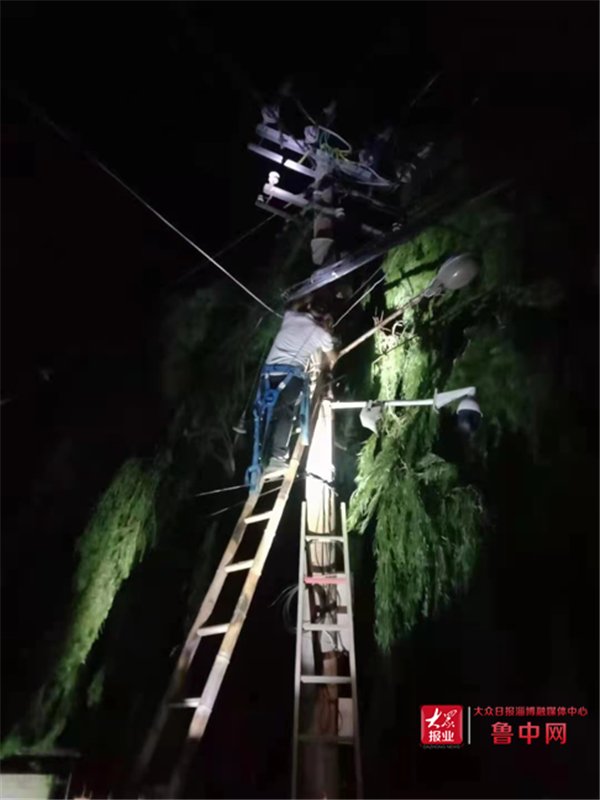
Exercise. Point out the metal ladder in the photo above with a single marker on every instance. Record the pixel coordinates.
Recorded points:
(203, 705)
(336, 585)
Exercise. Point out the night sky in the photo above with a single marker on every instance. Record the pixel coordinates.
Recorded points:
(167, 95)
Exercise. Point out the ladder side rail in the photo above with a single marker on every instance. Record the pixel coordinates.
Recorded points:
(215, 679)
(190, 646)
(355, 721)
(298, 665)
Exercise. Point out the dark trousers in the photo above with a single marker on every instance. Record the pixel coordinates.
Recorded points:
(283, 415)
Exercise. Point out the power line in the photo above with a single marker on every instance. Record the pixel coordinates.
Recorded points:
(241, 502)
(220, 491)
(67, 137)
(229, 246)
(362, 297)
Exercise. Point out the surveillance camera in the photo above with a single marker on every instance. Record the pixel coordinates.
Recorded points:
(468, 415)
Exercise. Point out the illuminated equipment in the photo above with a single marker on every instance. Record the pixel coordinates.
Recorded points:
(455, 273)
(468, 411)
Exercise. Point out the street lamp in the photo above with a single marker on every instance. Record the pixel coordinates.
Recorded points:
(455, 273)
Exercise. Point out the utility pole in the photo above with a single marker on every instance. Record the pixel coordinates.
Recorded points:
(325, 682)
(326, 721)
(324, 713)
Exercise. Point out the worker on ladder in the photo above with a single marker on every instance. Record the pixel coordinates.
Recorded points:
(283, 388)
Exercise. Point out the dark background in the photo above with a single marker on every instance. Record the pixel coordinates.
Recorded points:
(167, 95)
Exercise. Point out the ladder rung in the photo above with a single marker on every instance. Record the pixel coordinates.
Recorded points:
(257, 517)
(323, 626)
(324, 580)
(239, 565)
(325, 678)
(322, 537)
(231, 630)
(188, 702)
(273, 476)
(212, 630)
(315, 738)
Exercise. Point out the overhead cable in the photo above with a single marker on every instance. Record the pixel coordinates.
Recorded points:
(241, 503)
(362, 297)
(64, 135)
(229, 246)
(224, 489)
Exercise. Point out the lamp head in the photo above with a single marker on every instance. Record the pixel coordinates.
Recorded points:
(455, 273)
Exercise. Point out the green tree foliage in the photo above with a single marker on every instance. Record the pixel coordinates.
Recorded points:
(119, 532)
(426, 517)
(213, 343)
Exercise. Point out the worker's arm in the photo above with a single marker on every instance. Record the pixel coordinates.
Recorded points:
(327, 364)
(330, 358)
(328, 347)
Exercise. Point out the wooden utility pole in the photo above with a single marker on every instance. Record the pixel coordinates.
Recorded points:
(326, 702)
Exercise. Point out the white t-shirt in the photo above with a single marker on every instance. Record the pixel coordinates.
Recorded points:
(298, 339)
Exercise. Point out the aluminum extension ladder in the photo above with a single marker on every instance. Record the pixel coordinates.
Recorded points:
(329, 614)
(175, 697)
